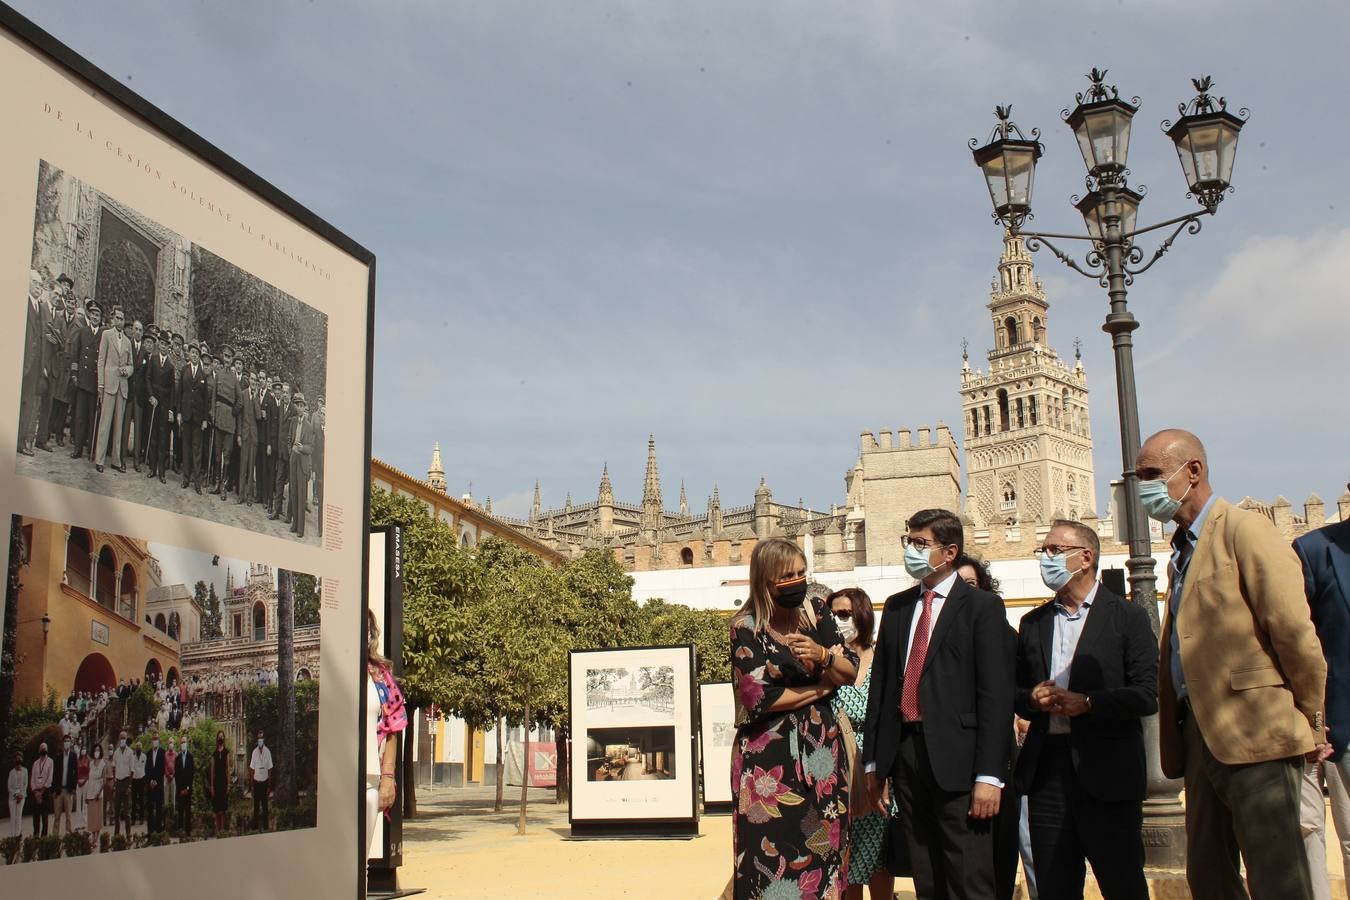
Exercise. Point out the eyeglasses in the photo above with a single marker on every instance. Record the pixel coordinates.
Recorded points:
(843, 615)
(921, 543)
(1054, 550)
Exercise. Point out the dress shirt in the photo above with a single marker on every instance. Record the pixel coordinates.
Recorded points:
(122, 761)
(1192, 536)
(18, 782)
(1068, 629)
(261, 763)
(41, 774)
(940, 590)
(138, 766)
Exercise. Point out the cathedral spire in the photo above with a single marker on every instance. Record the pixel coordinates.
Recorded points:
(606, 497)
(605, 504)
(651, 485)
(436, 472)
(536, 508)
(684, 501)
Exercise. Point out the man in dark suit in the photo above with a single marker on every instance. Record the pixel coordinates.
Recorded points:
(300, 436)
(161, 386)
(65, 785)
(53, 338)
(136, 421)
(154, 785)
(281, 457)
(185, 769)
(1325, 556)
(1087, 673)
(84, 363)
(268, 434)
(193, 408)
(34, 370)
(939, 714)
(68, 324)
(248, 418)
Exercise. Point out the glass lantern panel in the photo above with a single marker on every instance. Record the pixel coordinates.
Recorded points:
(1021, 163)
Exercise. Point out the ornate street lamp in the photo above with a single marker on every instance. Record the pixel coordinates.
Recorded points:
(1206, 140)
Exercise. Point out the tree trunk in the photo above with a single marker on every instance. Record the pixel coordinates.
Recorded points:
(524, 771)
(286, 783)
(501, 775)
(563, 786)
(409, 784)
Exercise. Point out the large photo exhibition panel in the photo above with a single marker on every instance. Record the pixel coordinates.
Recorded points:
(717, 733)
(632, 715)
(101, 203)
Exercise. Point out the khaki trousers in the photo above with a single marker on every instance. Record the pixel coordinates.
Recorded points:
(1248, 809)
(1314, 820)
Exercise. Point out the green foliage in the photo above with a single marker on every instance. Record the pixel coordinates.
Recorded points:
(268, 326)
(306, 600)
(261, 714)
(77, 843)
(211, 629)
(48, 847)
(31, 723)
(10, 848)
(141, 707)
(8, 642)
(119, 841)
(667, 624)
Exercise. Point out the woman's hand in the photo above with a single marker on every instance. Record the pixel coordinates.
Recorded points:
(806, 650)
(387, 791)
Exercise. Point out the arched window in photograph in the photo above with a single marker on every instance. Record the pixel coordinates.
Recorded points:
(1032, 409)
(78, 550)
(105, 579)
(1021, 418)
(1010, 329)
(1003, 416)
(1037, 329)
(161, 623)
(465, 540)
(1066, 412)
(173, 625)
(686, 557)
(126, 601)
(259, 621)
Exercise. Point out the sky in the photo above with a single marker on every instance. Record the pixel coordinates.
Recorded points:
(182, 566)
(754, 230)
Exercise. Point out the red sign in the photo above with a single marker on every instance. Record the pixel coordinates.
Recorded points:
(543, 764)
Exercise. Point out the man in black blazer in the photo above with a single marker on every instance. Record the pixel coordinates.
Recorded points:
(84, 365)
(939, 714)
(154, 785)
(1087, 673)
(193, 410)
(1325, 555)
(185, 770)
(161, 380)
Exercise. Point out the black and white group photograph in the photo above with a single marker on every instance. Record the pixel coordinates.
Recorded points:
(159, 373)
(631, 754)
(637, 694)
(161, 695)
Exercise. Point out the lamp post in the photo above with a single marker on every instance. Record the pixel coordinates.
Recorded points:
(1205, 136)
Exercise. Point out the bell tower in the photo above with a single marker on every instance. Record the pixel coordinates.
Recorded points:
(1027, 435)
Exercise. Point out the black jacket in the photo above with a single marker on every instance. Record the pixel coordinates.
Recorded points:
(1116, 666)
(965, 689)
(1325, 555)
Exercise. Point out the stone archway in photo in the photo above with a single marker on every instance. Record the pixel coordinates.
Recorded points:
(94, 674)
(126, 270)
(153, 670)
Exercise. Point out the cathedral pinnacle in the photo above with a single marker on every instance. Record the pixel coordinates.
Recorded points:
(536, 506)
(651, 485)
(436, 472)
(606, 496)
(684, 502)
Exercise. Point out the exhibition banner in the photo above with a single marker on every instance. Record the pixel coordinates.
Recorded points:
(717, 733)
(184, 498)
(633, 759)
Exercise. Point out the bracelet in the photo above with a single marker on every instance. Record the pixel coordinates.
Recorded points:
(386, 774)
(829, 660)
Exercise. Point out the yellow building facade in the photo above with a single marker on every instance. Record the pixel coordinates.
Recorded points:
(81, 622)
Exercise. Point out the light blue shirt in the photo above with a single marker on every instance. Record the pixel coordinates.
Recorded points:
(1068, 629)
(1177, 585)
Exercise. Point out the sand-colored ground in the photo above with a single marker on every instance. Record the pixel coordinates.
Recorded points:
(458, 847)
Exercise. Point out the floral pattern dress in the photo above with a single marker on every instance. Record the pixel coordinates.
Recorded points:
(789, 772)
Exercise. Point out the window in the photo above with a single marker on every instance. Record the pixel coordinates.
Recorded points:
(160, 622)
(238, 625)
(687, 557)
(105, 579)
(78, 550)
(1032, 405)
(1021, 419)
(1010, 327)
(1003, 417)
(259, 622)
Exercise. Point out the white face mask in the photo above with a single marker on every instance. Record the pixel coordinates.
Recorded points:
(260, 742)
(847, 629)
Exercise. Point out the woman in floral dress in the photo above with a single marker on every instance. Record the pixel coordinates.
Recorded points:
(789, 771)
(853, 617)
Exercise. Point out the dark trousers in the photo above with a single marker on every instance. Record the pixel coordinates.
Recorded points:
(282, 470)
(175, 433)
(184, 802)
(1005, 843)
(157, 434)
(260, 812)
(138, 800)
(1068, 826)
(952, 854)
(248, 452)
(121, 803)
(44, 412)
(81, 433)
(133, 439)
(1252, 809)
(264, 473)
(224, 448)
(298, 501)
(60, 412)
(192, 435)
(41, 811)
(154, 806)
(30, 396)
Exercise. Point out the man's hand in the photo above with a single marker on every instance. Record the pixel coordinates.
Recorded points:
(984, 801)
(1068, 703)
(1319, 753)
(1043, 695)
(879, 793)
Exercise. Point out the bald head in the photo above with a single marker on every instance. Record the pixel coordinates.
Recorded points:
(1177, 444)
(1164, 456)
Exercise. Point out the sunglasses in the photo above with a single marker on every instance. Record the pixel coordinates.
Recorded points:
(843, 614)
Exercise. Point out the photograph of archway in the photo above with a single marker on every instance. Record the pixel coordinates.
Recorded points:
(119, 638)
(631, 753)
(156, 371)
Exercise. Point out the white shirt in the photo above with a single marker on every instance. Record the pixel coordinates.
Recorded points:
(261, 763)
(1064, 644)
(18, 782)
(122, 763)
(137, 765)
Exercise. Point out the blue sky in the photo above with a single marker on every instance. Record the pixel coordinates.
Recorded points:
(755, 230)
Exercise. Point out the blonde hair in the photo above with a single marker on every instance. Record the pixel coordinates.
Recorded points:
(771, 557)
(373, 655)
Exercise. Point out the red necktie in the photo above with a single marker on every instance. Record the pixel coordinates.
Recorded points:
(910, 710)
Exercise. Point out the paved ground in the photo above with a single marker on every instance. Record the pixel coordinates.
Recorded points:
(458, 847)
(134, 487)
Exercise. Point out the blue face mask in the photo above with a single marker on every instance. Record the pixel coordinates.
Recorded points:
(1055, 571)
(916, 562)
(1158, 503)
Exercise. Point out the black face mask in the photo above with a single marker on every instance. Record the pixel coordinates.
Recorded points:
(791, 594)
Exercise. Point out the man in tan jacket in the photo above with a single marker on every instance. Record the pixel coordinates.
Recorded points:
(1241, 680)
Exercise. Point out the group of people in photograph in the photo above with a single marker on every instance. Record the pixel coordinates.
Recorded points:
(127, 392)
(941, 743)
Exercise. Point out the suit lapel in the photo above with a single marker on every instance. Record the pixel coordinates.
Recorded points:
(901, 620)
(951, 608)
(1045, 632)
